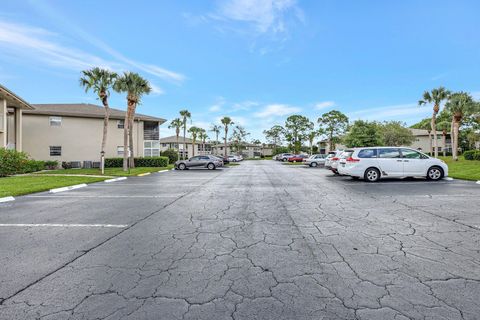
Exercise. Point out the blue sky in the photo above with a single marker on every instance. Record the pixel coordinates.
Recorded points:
(257, 61)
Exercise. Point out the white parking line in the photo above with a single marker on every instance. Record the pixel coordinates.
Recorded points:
(143, 174)
(6, 199)
(163, 170)
(104, 196)
(116, 179)
(63, 225)
(478, 182)
(77, 186)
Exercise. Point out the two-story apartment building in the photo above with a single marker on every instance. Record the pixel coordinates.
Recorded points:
(11, 116)
(185, 147)
(73, 132)
(247, 150)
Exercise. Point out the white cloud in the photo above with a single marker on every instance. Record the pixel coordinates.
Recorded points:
(264, 15)
(218, 105)
(274, 110)
(33, 43)
(324, 105)
(395, 112)
(244, 105)
(156, 89)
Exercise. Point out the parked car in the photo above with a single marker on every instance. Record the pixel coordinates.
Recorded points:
(207, 161)
(235, 158)
(375, 163)
(283, 156)
(331, 158)
(297, 158)
(315, 160)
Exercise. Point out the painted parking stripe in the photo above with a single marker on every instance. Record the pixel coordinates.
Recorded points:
(63, 225)
(478, 182)
(143, 174)
(448, 178)
(105, 196)
(7, 199)
(77, 186)
(163, 170)
(116, 179)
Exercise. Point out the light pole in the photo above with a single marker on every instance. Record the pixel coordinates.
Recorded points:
(102, 161)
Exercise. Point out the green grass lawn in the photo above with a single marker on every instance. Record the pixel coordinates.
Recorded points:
(108, 171)
(463, 169)
(232, 164)
(19, 185)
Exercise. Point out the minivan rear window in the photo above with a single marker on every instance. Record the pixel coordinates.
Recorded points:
(367, 153)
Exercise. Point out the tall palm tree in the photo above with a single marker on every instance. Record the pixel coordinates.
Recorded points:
(226, 121)
(100, 81)
(436, 96)
(445, 127)
(459, 105)
(216, 129)
(135, 86)
(185, 114)
(194, 131)
(311, 136)
(176, 124)
(203, 136)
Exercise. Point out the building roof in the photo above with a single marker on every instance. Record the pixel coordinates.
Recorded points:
(421, 132)
(245, 144)
(12, 98)
(84, 110)
(173, 139)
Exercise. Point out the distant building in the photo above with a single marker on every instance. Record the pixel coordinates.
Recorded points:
(421, 142)
(247, 150)
(73, 132)
(185, 147)
(11, 119)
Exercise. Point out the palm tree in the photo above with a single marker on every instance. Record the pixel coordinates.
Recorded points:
(135, 86)
(459, 105)
(445, 126)
(177, 124)
(100, 81)
(226, 121)
(203, 136)
(436, 96)
(194, 131)
(216, 129)
(185, 114)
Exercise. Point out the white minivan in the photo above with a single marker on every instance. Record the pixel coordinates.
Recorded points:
(374, 163)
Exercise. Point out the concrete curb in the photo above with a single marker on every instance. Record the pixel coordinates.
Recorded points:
(77, 186)
(116, 179)
(143, 174)
(6, 199)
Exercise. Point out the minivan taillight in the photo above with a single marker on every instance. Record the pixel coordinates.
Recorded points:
(350, 159)
(335, 159)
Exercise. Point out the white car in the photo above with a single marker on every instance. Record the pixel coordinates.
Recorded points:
(315, 160)
(374, 163)
(235, 158)
(332, 157)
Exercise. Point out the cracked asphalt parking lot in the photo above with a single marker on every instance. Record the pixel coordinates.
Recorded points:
(258, 241)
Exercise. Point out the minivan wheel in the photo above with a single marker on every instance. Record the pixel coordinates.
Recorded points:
(434, 173)
(284, 159)
(313, 164)
(182, 166)
(372, 175)
(211, 166)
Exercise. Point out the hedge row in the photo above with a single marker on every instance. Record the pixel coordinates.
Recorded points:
(139, 162)
(15, 162)
(472, 155)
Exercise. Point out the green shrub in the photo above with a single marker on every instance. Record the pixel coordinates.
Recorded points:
(51, 164)
(472, 155)
(15, 162)
(66, 165)
(139, 162)
(171, 154)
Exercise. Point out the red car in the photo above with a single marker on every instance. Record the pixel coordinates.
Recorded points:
(297, 158)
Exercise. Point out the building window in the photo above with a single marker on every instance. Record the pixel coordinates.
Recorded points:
(120, 124)
(55, 151)
(151, 131)
(151, 148)
(120, 150)
(55, 121)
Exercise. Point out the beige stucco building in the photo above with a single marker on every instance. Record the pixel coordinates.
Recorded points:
(73, 132)
(247, 150)
(185, 147)
(11, 118)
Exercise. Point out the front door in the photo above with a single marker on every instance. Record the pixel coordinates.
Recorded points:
(390, 162)
(11, 129)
